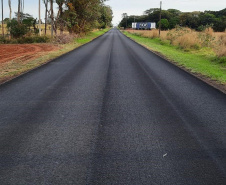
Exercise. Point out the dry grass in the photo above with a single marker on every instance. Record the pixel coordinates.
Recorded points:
(187, 38)
(221, 51)
(48, 30)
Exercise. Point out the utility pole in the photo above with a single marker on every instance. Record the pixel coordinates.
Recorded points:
(160, 17)
(18, 14)
(2, 21)
(39, 13)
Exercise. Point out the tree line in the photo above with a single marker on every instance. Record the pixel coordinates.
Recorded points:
(173, 17)
(77, 16)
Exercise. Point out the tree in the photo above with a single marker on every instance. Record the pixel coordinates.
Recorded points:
(60, 4)
(207, 18)
(173, 22)
(164, 24)
(106, 16)
(16, 29)
(125, 19)
(150, 11)
(87, 14)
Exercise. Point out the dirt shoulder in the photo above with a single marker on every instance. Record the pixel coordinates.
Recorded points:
(17, 58)
(23, 52)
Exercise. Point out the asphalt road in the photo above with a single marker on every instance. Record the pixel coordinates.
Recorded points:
(111, 112)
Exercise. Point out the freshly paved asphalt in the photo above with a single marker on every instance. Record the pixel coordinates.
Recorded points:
(111, 112)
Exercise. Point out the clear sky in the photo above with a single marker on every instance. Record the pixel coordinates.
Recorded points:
(131, 7)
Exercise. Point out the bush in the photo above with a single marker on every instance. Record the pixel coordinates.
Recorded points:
(41, 39)
(31, 39)
(3, 40)
(16, 30)
(64, 38)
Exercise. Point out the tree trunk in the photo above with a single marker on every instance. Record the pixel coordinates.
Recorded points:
(46, 6)
(61, 17)
(10, 10)
(51, 9)
(39, 21)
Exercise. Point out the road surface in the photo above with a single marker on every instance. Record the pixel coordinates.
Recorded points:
(111, 112)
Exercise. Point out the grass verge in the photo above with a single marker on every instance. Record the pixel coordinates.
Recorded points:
(14, 68)
(203, 63)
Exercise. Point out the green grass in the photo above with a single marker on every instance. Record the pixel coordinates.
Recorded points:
(14, 68)
(90, 36)
(201, 61)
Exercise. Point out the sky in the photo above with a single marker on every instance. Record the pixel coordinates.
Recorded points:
(131, 7)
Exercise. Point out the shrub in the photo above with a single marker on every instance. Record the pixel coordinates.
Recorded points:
(32, 39)
(3, 40)
(64, 38)
(41, 39)
(16, 30)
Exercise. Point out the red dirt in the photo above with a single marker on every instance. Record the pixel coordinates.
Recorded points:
(23, 52)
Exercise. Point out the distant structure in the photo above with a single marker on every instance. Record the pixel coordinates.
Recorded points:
(143, 25)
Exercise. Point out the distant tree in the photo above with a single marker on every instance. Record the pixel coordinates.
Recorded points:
(150, 11)
(106, 16)
(219, 24)
(124, 20)
(173, 22)
(190, 20)
(206, 18)
(164, 24)
(174, 12)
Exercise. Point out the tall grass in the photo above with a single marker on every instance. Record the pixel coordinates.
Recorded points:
(189, 39)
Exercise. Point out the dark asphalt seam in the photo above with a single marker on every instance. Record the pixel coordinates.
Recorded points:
(91, 171)
(202, 144)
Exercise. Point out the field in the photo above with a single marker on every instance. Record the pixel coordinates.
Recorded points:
(188, 39)
(48, 30)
